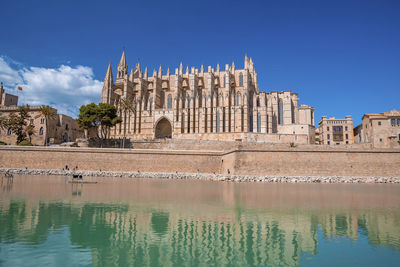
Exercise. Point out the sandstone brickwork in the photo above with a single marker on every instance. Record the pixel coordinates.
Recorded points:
(381, 130)
(207, 104)
(240, 160)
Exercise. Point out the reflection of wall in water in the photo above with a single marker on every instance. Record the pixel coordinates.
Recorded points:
(237, 236)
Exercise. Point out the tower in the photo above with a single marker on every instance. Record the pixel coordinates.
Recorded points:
(107, 90)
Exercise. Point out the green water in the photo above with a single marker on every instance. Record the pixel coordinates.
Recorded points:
(44, 221)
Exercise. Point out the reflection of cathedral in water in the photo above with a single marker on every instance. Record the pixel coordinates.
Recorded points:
(130, 235)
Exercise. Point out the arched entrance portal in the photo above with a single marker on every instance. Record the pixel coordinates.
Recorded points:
(163, 129)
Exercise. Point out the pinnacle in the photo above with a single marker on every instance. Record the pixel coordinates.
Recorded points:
(108, 73)
(123, 59)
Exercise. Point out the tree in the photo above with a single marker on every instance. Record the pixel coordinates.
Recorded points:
(17, 122)
(107, 116)
(127, 105)
(3, 122)
(30, 130)
(100, 117)
(87, 118)
(48, 113)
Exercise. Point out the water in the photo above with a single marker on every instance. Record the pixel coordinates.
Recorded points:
(44, 221)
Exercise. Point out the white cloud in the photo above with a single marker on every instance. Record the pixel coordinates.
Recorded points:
(66, 88)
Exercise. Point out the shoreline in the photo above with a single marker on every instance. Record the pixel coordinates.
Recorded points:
(206, 176)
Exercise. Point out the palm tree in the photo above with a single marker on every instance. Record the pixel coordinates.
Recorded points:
(48, 113)
(127, 105)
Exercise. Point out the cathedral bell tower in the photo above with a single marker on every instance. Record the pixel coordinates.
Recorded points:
(122, 70)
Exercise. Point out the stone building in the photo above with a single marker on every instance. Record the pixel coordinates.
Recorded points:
(210, 103)
(381, 130)
(61, 128)
(7, 100)
(336, 131)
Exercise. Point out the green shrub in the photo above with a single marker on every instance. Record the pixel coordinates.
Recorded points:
(25, 143)
(2, 143)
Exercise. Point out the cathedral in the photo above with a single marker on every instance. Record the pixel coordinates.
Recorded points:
(207, 104)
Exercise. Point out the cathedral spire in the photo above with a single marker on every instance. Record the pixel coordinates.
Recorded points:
(107, 86)
(122, 62)
(108, 77)
(146, 74)
(168, 73)
(246, 61)
(122, 67)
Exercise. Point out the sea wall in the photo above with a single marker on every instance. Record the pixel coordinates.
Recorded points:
(110, 159)
(275, 161)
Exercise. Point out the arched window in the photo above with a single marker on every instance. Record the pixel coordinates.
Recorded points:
(240, 79)
(41, 131)
(9, 132)
(258, 123)
(66, 126)
(218, 123)
(258, 101)
(280, 112)
(169, 101)
(162, 99)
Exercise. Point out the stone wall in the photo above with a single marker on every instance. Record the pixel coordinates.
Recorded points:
(242, 160)
(107, 159)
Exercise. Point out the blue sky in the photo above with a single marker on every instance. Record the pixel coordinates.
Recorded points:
(341, 57)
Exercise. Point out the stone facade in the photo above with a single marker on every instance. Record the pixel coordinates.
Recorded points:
(381, 130)
(211, 104)
(7, 100)
(262, 161)
(335, 131)
(61, 129)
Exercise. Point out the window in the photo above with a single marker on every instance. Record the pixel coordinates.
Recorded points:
(258, 123)
(399, 137)
(347, 142)
(337, 133)
(9, 132)
(329, 143)
(345, 128)
(240, 79)
(328, 136)
(327, 128)
(41, 131)
(393, 121)
(66, 127)
(41, 120)
(380, 139)
(398, 121)
(31, 121)
(280, 112)
(218, 121)
(237, 100)
(169, 102)
(162, 99)
(379, 123)
(347, 136)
